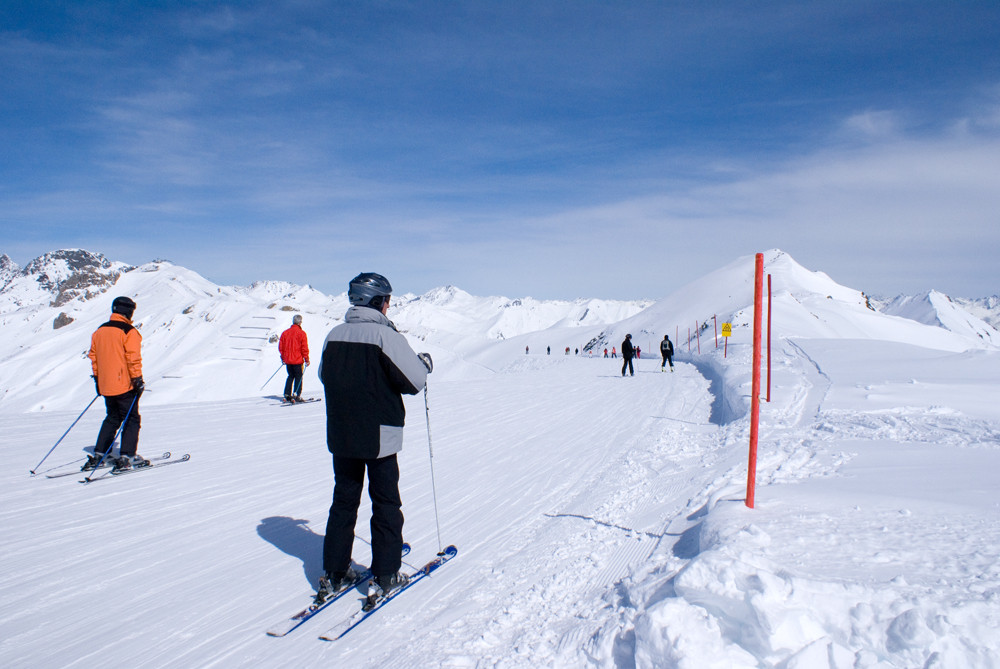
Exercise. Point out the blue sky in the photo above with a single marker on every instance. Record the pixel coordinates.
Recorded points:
(551, 149)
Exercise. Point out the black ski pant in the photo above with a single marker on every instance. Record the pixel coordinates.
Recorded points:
(386, 520)
(628, 364)
(667, 358)
(118, 407)
(293, 384)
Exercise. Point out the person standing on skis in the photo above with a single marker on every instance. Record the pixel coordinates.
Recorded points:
(116, 361)
(627, 353)
(667, 351)
(293, 347)
(366, 367)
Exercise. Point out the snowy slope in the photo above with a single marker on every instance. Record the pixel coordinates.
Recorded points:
(599, 519)
(934, 308)
(984, 308)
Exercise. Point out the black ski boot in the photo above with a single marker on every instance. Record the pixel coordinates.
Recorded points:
(91, 463)
(334, 582)
(389, 582)
(126, 462)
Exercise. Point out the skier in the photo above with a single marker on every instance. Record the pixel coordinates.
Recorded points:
(293, 347)
(627, 352)
(614, 353)
(667, 351)
(366, 366)
(116, 361)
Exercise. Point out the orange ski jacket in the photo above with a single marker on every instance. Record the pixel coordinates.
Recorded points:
(115, 355)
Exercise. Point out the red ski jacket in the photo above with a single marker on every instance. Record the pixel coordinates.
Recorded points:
(293, 346)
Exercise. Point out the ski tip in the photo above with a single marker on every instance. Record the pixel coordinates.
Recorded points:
(450, 551)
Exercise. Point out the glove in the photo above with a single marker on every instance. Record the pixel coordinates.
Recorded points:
(137, 384)
(97, 386)
(426, 359)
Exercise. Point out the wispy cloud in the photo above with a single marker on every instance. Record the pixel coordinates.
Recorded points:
(582, 149)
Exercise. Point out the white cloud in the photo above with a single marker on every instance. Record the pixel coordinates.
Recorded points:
(873, 124)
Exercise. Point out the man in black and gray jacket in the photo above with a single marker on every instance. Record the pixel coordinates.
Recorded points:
(366, 367)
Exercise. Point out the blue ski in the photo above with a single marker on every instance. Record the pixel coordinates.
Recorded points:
(289, 624)
(373, 605)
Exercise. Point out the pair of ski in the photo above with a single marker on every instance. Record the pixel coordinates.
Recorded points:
(108, 462)
(308, 400)
(154, 463)
(372, 603)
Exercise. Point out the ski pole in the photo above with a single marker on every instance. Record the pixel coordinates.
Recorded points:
(64, 434)
(430, 450)
(121, 428)
(273, 375)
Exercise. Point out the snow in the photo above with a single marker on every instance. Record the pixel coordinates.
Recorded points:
(600, 520)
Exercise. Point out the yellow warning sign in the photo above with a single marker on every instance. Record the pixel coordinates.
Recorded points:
(727, 329)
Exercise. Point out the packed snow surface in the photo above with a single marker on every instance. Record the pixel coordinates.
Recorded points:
(600, 520)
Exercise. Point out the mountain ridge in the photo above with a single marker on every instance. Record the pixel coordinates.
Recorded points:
(203, 341)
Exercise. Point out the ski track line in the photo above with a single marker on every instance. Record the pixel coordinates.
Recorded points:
(541, 620)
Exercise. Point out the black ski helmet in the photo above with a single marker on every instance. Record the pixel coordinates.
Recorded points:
(124, 306)
(366, 287)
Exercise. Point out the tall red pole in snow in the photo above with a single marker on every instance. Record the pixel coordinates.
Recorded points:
(758, 291)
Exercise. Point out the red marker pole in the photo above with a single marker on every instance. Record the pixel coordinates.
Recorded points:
(758, 290)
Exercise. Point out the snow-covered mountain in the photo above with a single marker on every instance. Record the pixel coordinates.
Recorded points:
(57, 278)
(983, 308)
(203, 341)
(600, 520)
(939, 310)
(206, 341)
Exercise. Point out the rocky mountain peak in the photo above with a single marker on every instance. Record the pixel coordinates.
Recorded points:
(66, 274)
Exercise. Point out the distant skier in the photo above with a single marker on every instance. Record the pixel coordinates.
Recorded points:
(667, 351)
(116, 361)
(293, 347)
(614, 353)
(526, 350)
(366, 367)
(627, 353)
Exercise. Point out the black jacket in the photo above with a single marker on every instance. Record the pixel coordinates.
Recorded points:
(627, 350)
(366, 367)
